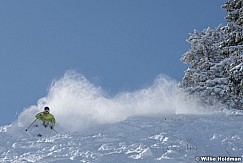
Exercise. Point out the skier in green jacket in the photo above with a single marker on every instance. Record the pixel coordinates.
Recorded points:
(47, 118)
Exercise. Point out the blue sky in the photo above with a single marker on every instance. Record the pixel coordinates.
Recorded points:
(118, 45)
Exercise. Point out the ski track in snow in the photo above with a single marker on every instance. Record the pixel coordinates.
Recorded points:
(165, 138)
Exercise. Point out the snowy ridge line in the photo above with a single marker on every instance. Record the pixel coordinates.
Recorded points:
(4, 128)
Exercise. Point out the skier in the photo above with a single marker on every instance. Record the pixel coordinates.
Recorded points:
(47, 118)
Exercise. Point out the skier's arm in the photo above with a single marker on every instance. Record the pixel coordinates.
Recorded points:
(53, 121)
(38, 116)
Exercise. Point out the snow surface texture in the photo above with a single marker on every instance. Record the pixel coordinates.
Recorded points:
(155, 124)
(168, 138)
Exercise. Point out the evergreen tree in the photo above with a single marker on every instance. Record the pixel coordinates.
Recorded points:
(216, 60)
(205, 78)
(233, 48)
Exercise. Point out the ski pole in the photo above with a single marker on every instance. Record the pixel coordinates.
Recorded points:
(31, 124)
(54, 130)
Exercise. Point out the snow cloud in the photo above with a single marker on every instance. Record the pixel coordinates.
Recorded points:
(76, 103)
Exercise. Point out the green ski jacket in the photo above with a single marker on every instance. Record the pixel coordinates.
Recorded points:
(46, 117)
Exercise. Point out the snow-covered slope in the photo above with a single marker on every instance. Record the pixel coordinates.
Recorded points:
(159, 123)
(164, 138)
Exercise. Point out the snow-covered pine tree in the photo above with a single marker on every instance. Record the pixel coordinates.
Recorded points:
(215, 60)
(232, 47)
(205, 77)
